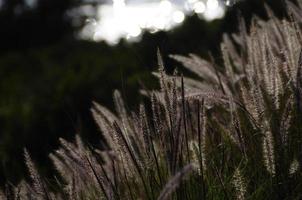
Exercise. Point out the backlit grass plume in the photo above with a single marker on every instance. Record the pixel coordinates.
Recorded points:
(235, 133)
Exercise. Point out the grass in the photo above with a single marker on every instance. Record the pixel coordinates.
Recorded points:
(233, 134)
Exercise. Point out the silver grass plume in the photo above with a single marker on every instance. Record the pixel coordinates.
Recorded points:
(268, 152)
(260, 81)
(203, 138)
(39, 186)
(239, 185)
(175, 181)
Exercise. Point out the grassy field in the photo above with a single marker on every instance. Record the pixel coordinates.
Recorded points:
(232, 133)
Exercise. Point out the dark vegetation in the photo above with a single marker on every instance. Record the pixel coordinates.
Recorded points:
(49, 78)
(232, 133)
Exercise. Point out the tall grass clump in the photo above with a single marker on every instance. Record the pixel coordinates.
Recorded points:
(235, 133)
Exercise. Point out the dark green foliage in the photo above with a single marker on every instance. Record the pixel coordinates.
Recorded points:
(234, 133)
(46, 93)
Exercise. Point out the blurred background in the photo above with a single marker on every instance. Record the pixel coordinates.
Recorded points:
(57, 56)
